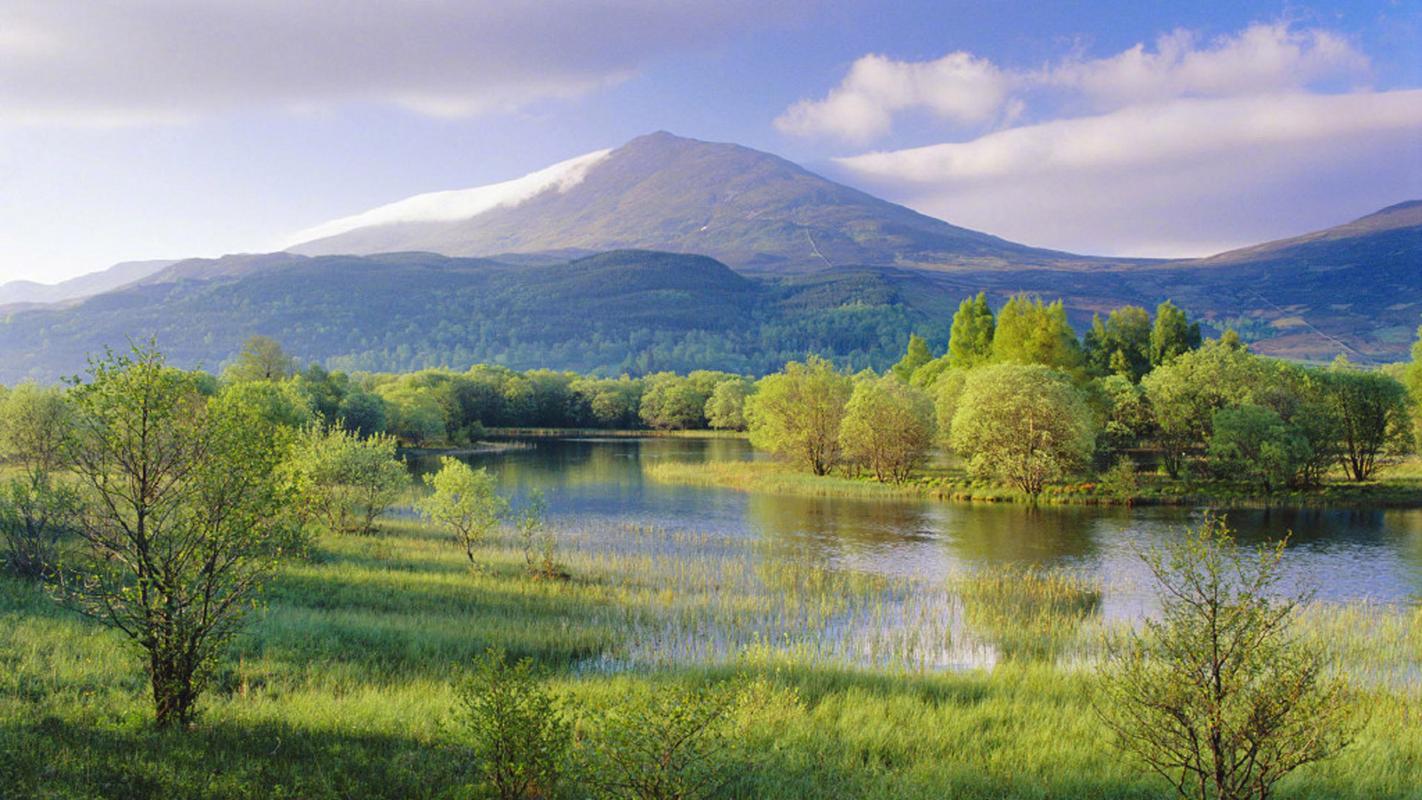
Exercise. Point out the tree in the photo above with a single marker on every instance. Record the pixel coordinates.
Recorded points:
(261, 359)
(1025, 424)
(796, 413)
(1412, 378)
(1121, 344)
(463, 500)
(915, 356)
(1254, 444)
(887, 427)
(1172, 334)
(1126, 411)
(35, 508)
(970, 338)
(180, 519)
(361, 413)
(673, 402)
(947, 391)
(1371, 412)
(1215, 695)
(1030, 332)
(342, 480)
(1186, 392)
(520, 735)
(726, 408)
(280, 404)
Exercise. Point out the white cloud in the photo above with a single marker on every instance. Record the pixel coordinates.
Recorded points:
(962, 88)
(460, 203)
(78, 62)
(1185, 177)
(957, 87)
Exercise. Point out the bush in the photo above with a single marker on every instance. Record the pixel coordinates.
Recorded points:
(519, 734)
(342, 480)
(1251, 443)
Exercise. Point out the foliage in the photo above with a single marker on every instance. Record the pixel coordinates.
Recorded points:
(539, 540)
(946, 394)
(726, 408)
(1413, 379)
(1030, 332)
(1172, 334)
(1122, 480)
(1121, 344)
(261, 359)
(1252, 443)
(1126, 413)
(678, 744)
(341, 480)
(970, 340)
(796, 413)
(35, 507)
(1025, 424)
(180, 518)
(278, 404)
(1370, 410)
(915, 356)
(519, 734)
(462, 500)
(887, 427)
(1186, 392)
(1217, 695)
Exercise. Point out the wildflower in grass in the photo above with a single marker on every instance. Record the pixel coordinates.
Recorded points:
(1216, 694)
(518, 732)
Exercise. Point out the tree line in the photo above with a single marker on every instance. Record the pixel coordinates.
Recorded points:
(1021, 400)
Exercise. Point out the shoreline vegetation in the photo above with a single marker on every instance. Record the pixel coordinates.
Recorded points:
(1399, 487)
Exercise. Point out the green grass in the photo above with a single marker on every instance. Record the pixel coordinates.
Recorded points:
(342, 685)
(1397, 486)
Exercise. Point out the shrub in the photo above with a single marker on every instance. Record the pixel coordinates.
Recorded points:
(464, 501)
(342, 480)
(519, 734)
(1251, 443)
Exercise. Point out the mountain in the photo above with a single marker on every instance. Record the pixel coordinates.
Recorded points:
(16, 292)
(748, 209)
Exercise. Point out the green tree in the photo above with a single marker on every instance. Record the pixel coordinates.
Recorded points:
(35, 508)
(915, 356)
(1031, 332)
(928, 374)
(519, 733)
(280, 404)
(181, 517)
(343, 481)
(612, 402)
(673, 402)
(726, 408)
(261, 359)
(1126, 411)
(1186, 392)
(1370, 410)
(947, 391)
(1252, 443)
(970, 339)
(463, 500)
(1172, 334)
(361, 413)
(1025, 424)
(796, 413)
(1215, 694)
(887, 427)
(1412, 378)
(1121, 344)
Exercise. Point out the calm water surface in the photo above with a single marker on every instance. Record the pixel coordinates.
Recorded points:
(1339, 554)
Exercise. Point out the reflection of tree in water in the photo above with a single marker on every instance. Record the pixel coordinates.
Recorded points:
(824, 528)
(1408, 524)
(1018, 534)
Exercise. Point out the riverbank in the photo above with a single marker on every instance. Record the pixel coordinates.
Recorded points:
(343, 683)
(1399, 487)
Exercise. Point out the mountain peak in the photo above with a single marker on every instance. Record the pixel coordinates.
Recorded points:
(660, 191)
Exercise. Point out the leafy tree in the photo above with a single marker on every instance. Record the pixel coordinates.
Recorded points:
(928, 374)
(887, 427)
(796, 413)
(1030, 332)
(679, 744)
(35, 508)
(1370, 410)
(1216, 695)
(519, 733)
(916, 356)
(1412, 378)
(1126, 411)
(463, 500)
(361, 413)
(413, 414)
(1254, 444)
(1121, 344)
(971, 337)
(726, 409)
(946, 393)
(1172, 334)
(261, 359)
(673, 402)
(613, 403)
(1186, 392)
(181, 518)
(280, 404)
(1025, 424)
(342, 480)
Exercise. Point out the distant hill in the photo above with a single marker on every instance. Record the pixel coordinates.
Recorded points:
(93, 283)
(749, 209)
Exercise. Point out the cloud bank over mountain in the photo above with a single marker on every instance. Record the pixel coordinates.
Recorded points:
(1162, 150)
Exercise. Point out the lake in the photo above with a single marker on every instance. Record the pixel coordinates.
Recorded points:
(1339, 554)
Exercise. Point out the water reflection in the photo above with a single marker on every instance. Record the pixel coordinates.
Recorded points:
(1341, 554)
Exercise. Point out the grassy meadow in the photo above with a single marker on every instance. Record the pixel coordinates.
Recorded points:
(343, 683)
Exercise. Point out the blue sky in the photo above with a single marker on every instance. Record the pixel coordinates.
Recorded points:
(167, 129)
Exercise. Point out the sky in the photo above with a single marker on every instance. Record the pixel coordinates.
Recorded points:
(177, 128)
